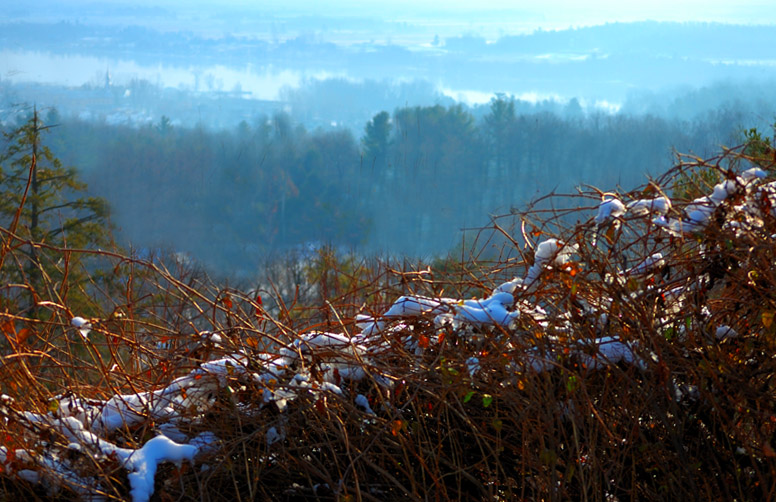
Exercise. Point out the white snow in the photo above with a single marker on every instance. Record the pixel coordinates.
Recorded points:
(698, 214)
(725, 332)
(606, 351)
(725, 189)
(648, 265)
(549, 251)
(83, 326)
(609, 210)
(510, 286)
(330, 387)
(753, 174)
(363, 402)
(555, 250)
(144, 462)
(141, 463)
(412, 306)
(273, 436)
(492, 310)
(473, 366)
(210, 337)
(205, 442)
(121, 410)
(658, 206)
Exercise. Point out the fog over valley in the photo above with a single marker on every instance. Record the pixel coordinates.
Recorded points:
(237, 132)
(298, 250)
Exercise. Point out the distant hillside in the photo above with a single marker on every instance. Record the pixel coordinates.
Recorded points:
(604, 62)
(657, 39)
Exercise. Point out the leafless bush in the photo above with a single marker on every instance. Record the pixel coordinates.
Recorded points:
(638, 366)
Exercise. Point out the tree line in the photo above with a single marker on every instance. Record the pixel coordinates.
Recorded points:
(412, 180)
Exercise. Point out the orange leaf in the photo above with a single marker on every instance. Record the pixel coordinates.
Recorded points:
(610, 234)
(23, 335)
(8, 327)
(251, 342)
(767, 319)
(337, 377)
(572, 268)
(423, 341)
(396, 427)
(227, 301)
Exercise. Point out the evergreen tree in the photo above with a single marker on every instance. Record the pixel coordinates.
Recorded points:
(375, 140)
(43, 202)
(499, 125)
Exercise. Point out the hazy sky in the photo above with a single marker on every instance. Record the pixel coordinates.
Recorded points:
(526, 15)
(590, 10)
(564, 12)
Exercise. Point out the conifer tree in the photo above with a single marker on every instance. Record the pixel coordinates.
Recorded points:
(43, 202)
(376, 138)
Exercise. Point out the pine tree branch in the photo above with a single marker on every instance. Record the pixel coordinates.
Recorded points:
(18, 213)
(70, 225)
(74, 203)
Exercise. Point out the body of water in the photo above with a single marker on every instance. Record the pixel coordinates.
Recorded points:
(253, 81)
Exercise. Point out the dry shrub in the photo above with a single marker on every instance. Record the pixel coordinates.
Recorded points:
(541, 414)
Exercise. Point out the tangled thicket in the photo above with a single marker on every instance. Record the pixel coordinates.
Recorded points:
(624, 350)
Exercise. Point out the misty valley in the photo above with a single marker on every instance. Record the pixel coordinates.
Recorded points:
(266, 145)
(317, 252)
(408, 184)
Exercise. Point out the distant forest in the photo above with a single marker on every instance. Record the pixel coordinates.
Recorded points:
(407, 185)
